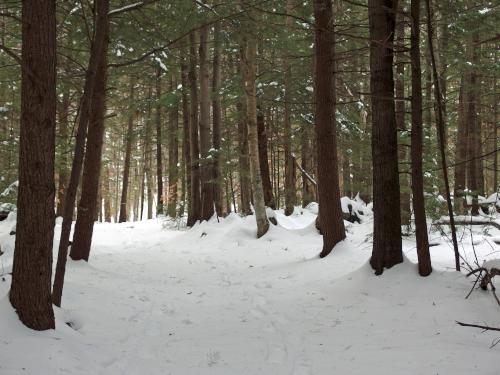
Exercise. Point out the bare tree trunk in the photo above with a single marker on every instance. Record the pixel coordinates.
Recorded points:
(107, 193)
(216, 135)
(460, 152)
(264, 161)
(244, 165)
(441, 134)
(98, 51)
(386, 199)
(330, 211)
(159, 161)
(173, 154)
(64, 142)
(195, 196)
(186, 147)
(206, 166)
(400, 120)
(417, 179)
(31, 274)
(128, 155)
(84, 226)
(290, 176)
(149, 157)
(248, 66)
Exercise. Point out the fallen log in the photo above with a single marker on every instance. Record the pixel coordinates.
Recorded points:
(469, 222)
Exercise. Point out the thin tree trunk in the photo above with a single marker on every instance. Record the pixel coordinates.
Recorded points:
(107, 193)
(264, 161)
(64, 142)
(173, 154)
(460, 152)
(149, 155)
(159, 160)
(441, 132)
(84, 226)
(244, 165)
(186, 147)
(31, 274)
(290, 176)
(386, 199)
(417, 179)
(206, 166)
(128, 155)
(330, 211)
(216, 133)
(248, 59)
(98, 51)
(195, 196)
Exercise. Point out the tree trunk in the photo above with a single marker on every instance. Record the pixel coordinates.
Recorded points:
(64, 142)
(417, 179)
(400, 121)
(248, 59)
(264, 161)
(32, 270)
(173, 154)
(107, 197)
(195, 200)
(386, 200)
(84, 226)
(330, 212)
(206, 166)
(128, 155)
(159, 160)
(148, 159)
(186, 147)
(460, 152)
(216, 134)
(290, 177)
(97, 53)
(244, 165)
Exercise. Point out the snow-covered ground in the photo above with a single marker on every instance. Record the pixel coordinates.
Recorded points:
(215, 300)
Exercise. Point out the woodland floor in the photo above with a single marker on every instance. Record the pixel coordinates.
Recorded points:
(214, 300)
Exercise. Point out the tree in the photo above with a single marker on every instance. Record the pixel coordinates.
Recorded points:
(84, 226)
(128, 155)
(30, 291)
(387, 249)
(330, 211)
(417, 179)
(159, 161)
(248, 66)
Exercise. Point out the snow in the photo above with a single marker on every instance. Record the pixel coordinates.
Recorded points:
(215, 300)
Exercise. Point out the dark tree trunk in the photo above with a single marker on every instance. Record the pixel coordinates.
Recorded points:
(173, 154)
(206, 166)
(400, 121)
(264, 161)
(159, 161)
(417, 179)
(84, 226)
(148, 160)
(107, 197)
(244, 165)
(460, 152)
(330, 215)
(195, 196)
(186, 147)
(216, 132)
(290, 176)
(129, 139)
(64, 143)
(386, 200)
(97, 53)
(31, 274)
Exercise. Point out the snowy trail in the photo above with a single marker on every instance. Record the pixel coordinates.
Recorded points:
(214, 300)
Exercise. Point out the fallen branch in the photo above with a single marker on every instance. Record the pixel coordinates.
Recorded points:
(469, 222)
(486, 328)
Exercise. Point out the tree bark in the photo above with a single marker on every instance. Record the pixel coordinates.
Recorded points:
(290, 176)
(173, 154)
(195, 196)
(244, 165)
(84, 226)
(30, 291)
(248, 59)
(460, 152)
(386, 199)
(330, 212)
(264, 161)
(97, 52)
(128, 155)
(64, 142)
(186, 147)
(148, 171)
(159, 161)
(417, 179)
(216, 133)
(206, 165)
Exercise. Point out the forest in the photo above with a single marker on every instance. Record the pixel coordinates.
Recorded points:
(249, 187)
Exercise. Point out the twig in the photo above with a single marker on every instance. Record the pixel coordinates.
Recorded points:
(486, 328)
